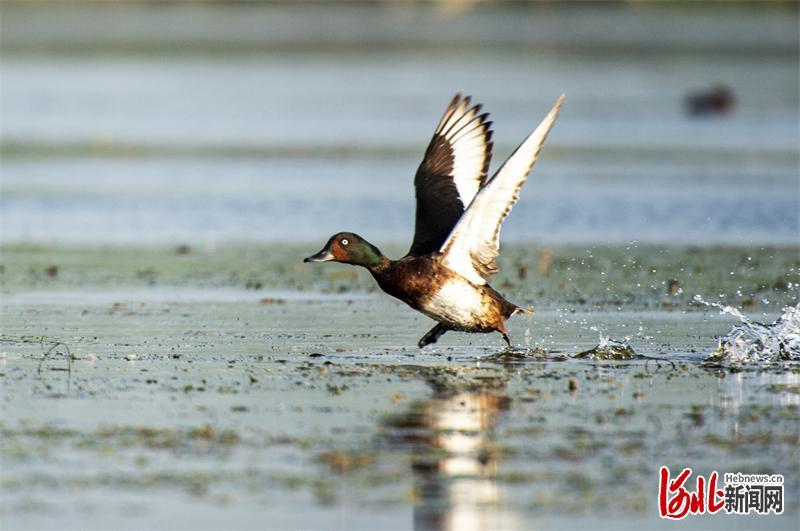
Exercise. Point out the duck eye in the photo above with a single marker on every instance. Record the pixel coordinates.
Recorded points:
(344, 241)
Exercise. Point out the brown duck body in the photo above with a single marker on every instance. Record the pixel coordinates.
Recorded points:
(428, 286)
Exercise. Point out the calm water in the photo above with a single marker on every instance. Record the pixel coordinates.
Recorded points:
(269, 124)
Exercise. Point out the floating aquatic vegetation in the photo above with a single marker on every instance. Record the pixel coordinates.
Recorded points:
(343, 462)
(609, 349)
(752, 343)
(515, 355)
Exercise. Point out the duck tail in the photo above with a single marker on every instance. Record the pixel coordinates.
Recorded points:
(522, 311)
(508, 308)
(512, 310)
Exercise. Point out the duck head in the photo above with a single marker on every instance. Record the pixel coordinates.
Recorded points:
(349, 248)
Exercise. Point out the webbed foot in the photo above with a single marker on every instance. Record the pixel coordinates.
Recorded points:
(433, 335)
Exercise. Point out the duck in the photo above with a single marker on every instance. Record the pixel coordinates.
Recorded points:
(459, 213)
(718, 100)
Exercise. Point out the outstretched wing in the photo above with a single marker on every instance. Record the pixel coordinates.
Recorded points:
(474, 243)
(452, 172)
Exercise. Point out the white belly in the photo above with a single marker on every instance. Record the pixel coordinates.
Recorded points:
(457, 304)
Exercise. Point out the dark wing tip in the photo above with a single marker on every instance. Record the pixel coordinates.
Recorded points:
(457, 98)
(487, 159)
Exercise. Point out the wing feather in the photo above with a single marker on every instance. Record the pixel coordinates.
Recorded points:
(474, 244)
(451, 173)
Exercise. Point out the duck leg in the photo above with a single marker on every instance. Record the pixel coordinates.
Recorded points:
(503, 330)
(433, 335)
(508, 340)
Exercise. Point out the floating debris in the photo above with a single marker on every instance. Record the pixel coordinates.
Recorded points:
(609, 349)
(752, 343)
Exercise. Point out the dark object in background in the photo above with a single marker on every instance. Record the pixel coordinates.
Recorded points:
(715, 101)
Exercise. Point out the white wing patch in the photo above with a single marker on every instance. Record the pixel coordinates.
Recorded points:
(468, 134)
(474, 243)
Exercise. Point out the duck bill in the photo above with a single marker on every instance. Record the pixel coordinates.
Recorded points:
(323, 256)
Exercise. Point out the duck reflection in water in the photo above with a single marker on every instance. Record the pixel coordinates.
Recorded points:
(454, 460)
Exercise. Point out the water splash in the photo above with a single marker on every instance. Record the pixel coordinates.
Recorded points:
(756, 343)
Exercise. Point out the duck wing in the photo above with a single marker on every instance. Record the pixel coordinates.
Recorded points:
(473, 246)
(452, 172)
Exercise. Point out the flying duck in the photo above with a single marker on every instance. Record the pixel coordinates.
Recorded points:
(456, 238)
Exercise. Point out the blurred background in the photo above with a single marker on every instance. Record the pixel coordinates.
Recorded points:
(207, 122)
